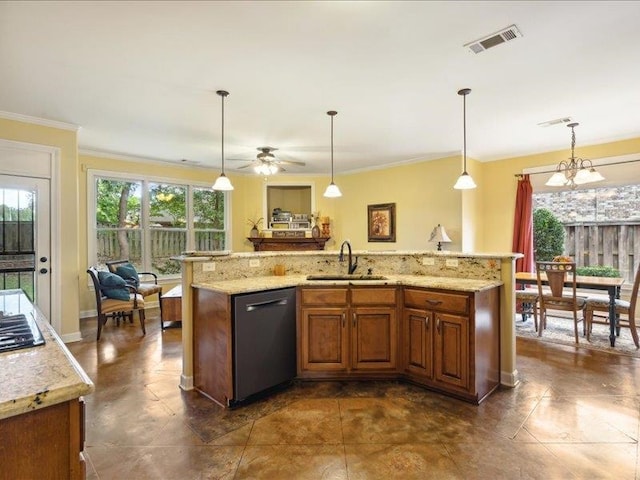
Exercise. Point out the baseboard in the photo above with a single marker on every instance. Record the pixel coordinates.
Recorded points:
(71, 337)
(186, 383)
(509, 379)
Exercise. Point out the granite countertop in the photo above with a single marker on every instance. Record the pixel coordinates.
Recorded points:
(255, 284)
(41, 376)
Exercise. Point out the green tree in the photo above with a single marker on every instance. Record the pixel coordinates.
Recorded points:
(548, 235)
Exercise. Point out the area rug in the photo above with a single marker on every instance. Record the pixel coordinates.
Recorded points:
(560, 330)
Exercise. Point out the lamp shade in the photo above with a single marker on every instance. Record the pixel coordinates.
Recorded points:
(332, 191)
(222, 183)
(439, 235)
(464, 182)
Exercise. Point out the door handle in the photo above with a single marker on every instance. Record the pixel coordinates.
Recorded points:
(344, 320)
(438, 324)
(354, 319)
(426, 321)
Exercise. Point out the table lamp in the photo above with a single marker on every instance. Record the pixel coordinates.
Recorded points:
(439, 235)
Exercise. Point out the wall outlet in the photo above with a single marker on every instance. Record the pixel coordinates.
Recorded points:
(254, 262)
(451, 262)
(209, 267)
(428, 261)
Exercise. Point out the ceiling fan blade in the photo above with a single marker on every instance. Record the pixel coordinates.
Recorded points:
(290, 162)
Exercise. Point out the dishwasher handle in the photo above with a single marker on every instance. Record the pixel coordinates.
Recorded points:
(251, 307)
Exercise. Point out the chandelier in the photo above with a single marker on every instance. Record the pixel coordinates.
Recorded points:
(575, 171)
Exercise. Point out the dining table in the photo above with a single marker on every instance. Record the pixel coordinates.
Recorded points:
(611, 285)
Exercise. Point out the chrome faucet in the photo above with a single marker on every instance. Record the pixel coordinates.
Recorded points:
(352, 266)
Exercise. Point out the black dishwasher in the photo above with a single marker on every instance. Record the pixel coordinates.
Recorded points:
(264, 330)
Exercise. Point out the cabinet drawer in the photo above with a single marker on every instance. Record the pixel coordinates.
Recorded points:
(373, 296)
(324, 296)
(426, 299)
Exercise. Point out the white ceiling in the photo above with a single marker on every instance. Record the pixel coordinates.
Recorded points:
(139, 78)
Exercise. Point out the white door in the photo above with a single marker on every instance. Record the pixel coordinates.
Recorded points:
(25, 238)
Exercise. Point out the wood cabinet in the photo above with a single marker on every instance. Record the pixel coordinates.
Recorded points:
(44, 443)
(347, 330)
(451, 341)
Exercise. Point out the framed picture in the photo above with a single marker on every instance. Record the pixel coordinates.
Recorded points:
(382, 222)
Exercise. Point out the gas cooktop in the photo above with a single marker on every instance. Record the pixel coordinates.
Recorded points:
(18, 331)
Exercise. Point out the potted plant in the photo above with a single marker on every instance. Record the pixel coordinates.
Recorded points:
(255, 225)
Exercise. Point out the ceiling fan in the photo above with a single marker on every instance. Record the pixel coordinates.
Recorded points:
(266, 162)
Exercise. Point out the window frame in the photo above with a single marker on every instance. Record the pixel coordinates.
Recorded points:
(145, 227)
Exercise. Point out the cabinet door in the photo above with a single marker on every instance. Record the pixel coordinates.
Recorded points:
(418, 342)
(374, 338)
(324, 339)
(452, 350)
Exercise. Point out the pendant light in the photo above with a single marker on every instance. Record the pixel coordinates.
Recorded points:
(575, 171)
(465, 182)
(332, 190)
(222, 182)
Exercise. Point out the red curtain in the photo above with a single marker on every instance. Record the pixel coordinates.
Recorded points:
(523, 225)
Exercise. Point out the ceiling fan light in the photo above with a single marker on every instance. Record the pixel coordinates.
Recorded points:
(465, 182)
(332, 191)
(222, 183)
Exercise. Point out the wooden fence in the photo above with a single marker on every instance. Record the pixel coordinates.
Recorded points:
(164, 243)
(615, 244)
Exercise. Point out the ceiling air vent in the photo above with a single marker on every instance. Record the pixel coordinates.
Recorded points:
(556, 121)
(504, 35)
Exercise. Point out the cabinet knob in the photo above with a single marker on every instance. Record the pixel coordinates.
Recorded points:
(438, 325)
(426, 321)
(343, 319)
(354, 319)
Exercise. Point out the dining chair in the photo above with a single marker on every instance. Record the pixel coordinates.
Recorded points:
(555, 275)
(115, 299)
(146, 283)
(600, 303)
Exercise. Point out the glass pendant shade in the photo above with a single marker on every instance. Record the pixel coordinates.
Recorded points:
(465, 182)
(332, 191)
(558, 179)
(222, 183)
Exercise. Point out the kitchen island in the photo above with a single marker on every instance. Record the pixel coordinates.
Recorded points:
(462, 283)
(41, 407)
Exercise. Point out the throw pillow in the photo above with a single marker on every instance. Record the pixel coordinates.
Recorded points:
(129, 273)
(114, 286)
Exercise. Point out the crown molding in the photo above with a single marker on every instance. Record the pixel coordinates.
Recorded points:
(39, 121)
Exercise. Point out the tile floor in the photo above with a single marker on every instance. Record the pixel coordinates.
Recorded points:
(575, 415)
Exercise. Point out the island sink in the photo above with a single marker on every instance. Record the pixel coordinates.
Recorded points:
(338, 276)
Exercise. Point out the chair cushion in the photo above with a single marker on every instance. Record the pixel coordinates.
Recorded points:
(147, 289)
(601, 302)
(114, 286)
(111, 305)
(129, 273)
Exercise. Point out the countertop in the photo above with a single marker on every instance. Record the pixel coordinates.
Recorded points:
(255, 284)
(37, 377)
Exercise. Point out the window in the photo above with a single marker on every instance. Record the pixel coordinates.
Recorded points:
(149, 220)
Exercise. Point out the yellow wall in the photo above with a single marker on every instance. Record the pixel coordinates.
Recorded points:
(424, 196)
(499, 196)
(66, 141)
